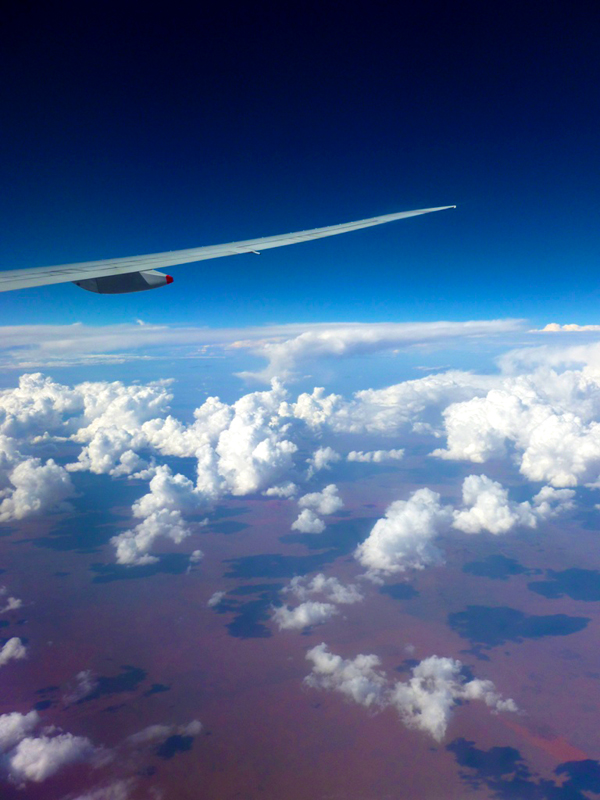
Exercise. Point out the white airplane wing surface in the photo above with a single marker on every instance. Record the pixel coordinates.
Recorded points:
(106, 276)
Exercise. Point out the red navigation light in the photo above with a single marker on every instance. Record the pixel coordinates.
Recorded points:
(169, 279)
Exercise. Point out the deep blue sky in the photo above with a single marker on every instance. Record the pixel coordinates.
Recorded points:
(126, 131)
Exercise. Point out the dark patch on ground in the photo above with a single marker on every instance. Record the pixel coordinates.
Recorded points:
(128, 681)
(173, 745)
(82, 536)
(47, 690)
(340, 538)
(227, 527)
(170, 563)
(227, 511)
(42, 705)
(114, 709)
(61, 574)
(4, 623)
(507, 776)
(579, 584)
(399, 591)
(495, 625)
(498, 567)
(274, 565)
(156, 688)
(250, 615)
(254, 588)
(407, 665)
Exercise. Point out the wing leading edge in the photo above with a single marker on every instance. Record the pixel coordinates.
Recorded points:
(63, 273)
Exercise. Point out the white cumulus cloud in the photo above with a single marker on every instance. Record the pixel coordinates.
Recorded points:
(37, 758)
(427, 700)
(308, 522)
(325, 502)
(16, 726)
(403, 539)
(12, 650)
(304, 615)
(322, 458)
(37, 488)
(331, 588)
(489, 508)
(375, 456)
(359, 679)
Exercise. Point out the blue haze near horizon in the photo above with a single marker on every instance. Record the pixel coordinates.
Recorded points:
(129, 132)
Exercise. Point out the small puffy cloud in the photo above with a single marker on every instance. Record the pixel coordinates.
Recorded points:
(359, 679)
(308, 522)
(215, 599)
(37, 758)
(303, 616)
(161, 732)
(285, 490)
(326, 502)
(554, 327)
(375, 456)
(322, 458)
(196, 556)
(11, 603)
(403, 539)
(118, 790)
(426, 701)
(12, 650)
(85, 683)
(37, 488)
(331, 588)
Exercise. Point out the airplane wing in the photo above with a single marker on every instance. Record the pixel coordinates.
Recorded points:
(104, 276)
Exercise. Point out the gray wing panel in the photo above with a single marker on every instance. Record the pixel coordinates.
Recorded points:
(42, 276)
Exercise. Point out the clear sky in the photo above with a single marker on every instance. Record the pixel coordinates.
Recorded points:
(128, 131)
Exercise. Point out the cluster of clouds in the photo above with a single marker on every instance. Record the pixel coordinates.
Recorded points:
(425, 702)
(541, 412)
(311, 612)
(313, 504)
(31, 753)
(405, 538)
